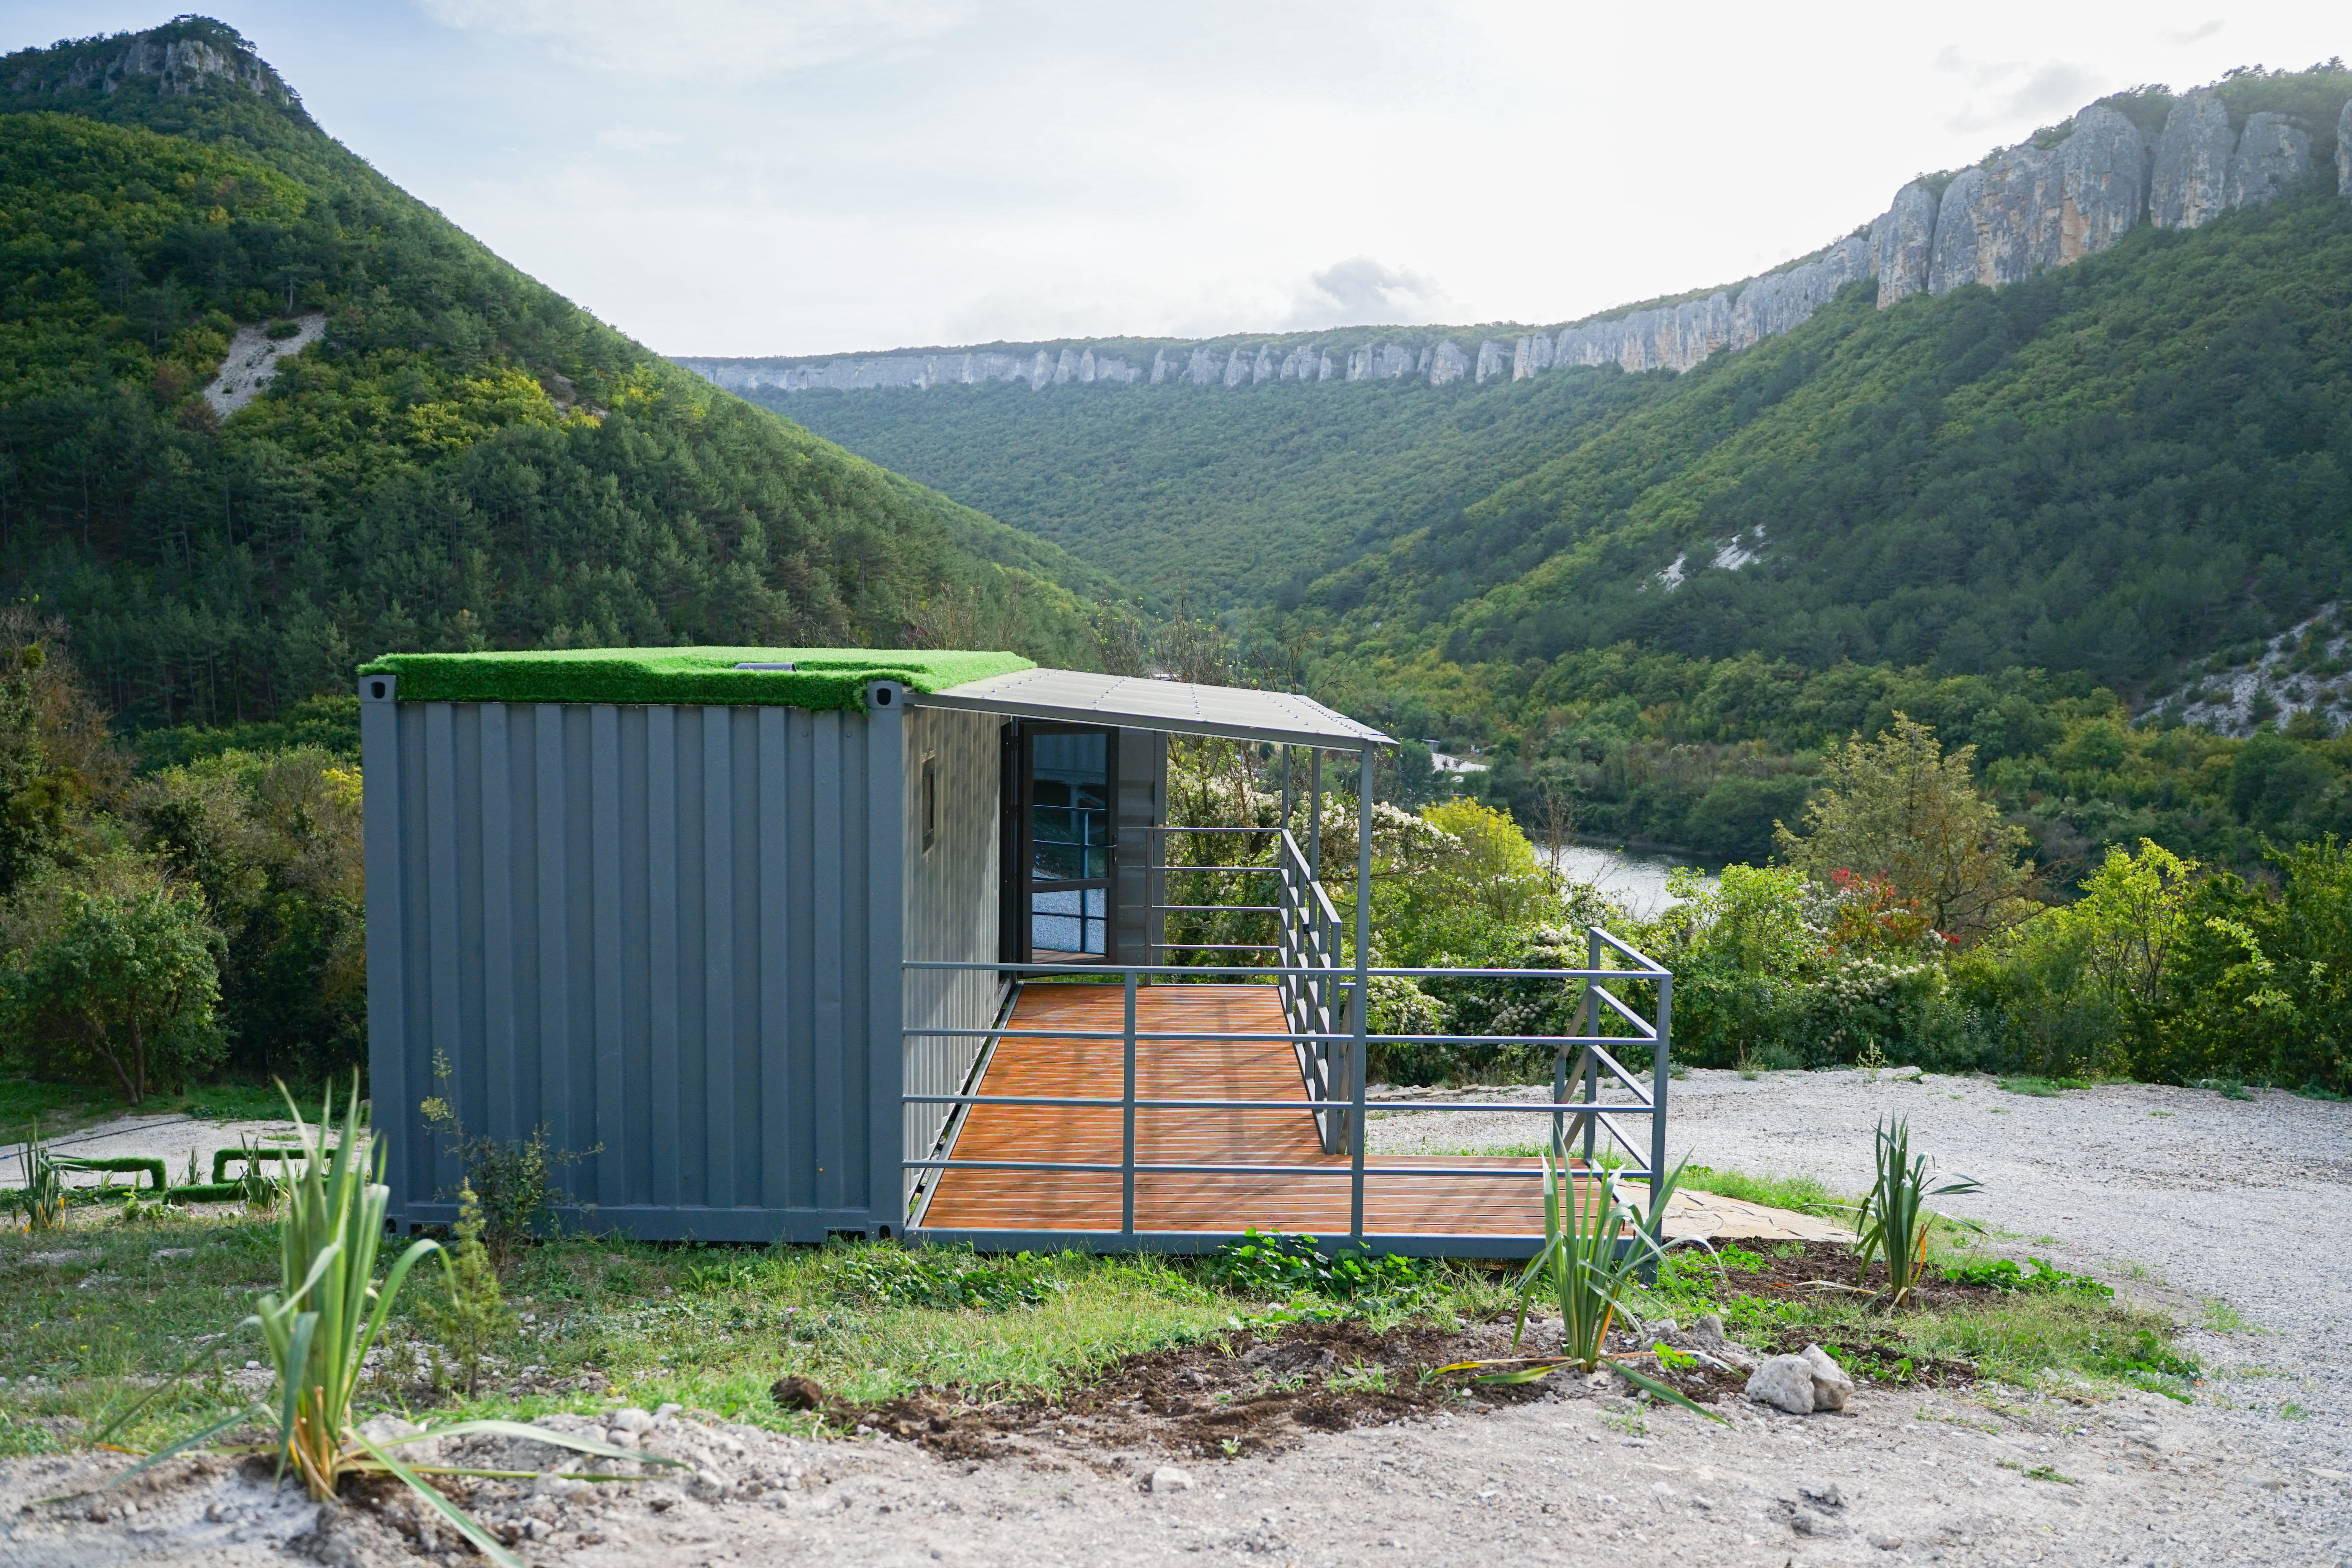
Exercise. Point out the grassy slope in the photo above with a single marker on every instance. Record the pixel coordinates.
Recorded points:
(468, 460)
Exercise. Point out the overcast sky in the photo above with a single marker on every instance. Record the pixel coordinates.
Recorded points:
(806, 176)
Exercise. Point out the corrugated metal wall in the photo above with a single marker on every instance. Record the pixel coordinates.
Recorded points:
(952, 909)
(669, 935)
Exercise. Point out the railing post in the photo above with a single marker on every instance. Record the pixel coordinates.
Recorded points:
(1126, 1159)
(1662, 1072)
(1315, 814)
(1363, 1008)
(1588, 1025)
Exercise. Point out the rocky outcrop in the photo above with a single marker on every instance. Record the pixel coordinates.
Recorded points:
(2023, 210)
(251, 363)
(2102, 183)
(2027, 209)
(2344, 151)
(178, 65)
(2272, 156)
(1902, 242)
(2190, 183)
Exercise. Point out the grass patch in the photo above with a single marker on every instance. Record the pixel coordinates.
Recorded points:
(1799, 1194)
(2044, 1088)
(65, 1108)
(2221, 1317)
(2227, 1087)
(606, 1321)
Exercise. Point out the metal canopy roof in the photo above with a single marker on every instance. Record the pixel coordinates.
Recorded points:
(1076, 696)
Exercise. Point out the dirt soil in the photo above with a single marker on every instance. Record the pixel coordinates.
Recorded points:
(1577, 1473)
(1276, 1389)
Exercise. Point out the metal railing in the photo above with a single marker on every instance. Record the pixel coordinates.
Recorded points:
(1326, 1026)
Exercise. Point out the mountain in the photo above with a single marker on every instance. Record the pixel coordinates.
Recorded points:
(1188, 467)
(264, 415)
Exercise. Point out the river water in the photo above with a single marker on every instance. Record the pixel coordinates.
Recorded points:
(1634, 878)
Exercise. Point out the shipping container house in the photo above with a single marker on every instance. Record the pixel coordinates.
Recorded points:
(741, 932)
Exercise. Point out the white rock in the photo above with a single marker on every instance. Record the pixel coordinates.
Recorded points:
(664, 1413)
(1169, 1479)
(1831, 1386)
(632, 1419)
(1785, 1383)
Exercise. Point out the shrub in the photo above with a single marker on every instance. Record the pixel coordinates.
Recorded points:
(113, 975)
(2259, 986)
(475, 1317)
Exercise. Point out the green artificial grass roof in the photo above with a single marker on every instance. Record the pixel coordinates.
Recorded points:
(823, 677)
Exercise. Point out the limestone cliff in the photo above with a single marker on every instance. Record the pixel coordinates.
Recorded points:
(181, 55)
(2069, 193)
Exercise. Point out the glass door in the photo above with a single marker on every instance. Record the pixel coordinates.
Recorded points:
(1068, 777)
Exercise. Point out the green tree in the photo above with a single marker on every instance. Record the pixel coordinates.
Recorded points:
(273, 840)
(113, 973)
(1900, 808)
(2260, 985)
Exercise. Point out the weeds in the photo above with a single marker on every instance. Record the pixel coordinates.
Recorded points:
(1362, 1377)
(2044, 1088)
(513, 1181)
(1270, 1264)
(2003, 1274)
(2039, 1473)
(2227, 1087)
(943, 1278)
(2221, 1317)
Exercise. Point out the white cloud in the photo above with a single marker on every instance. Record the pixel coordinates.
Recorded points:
(1360, 291)
(2008, 92)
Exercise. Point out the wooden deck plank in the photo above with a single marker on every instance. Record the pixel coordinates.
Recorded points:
(1492, 1196)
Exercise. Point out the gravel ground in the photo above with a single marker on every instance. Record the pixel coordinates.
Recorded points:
(171, 1139)
(2173, 1194)
(1579, 1477)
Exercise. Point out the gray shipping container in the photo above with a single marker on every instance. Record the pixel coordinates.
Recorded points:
(671, 937)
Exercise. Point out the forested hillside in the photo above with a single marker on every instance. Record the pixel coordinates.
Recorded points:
(2026, 514)
(2108, 467)
(1242, 497)
(463, 459)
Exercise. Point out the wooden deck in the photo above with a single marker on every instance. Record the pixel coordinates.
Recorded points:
(1480, 1201)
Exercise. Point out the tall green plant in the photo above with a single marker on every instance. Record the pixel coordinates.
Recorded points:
(42, 1199)
(1594, 1251)
(1894, 1217)
(323, 1317)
